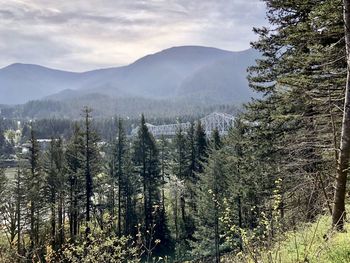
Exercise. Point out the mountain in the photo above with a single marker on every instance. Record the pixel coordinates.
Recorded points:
(200, 75)
(223, 81)
(20, 83)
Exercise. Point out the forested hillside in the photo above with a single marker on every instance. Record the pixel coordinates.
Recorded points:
(166, 75)
(178, 81)
(107, 107)
(273, 189)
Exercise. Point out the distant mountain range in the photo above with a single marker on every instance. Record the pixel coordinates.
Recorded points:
(195, 74)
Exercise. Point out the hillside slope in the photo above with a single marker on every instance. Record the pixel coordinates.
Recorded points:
(20, 83)
(311, 242)
(175, 73)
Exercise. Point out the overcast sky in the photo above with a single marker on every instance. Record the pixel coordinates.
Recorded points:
(81, 35)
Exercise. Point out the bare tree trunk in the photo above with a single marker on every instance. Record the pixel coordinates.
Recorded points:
(53, 225)
(119, 204)
(176, 217)
(18, 211)
(182, 207)
(344, 154)
(217, 237)
(60, 221)
(88, 176)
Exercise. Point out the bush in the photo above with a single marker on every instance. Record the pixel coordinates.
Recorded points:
(99, 247)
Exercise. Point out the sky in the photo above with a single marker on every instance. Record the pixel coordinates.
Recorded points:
(80, 35)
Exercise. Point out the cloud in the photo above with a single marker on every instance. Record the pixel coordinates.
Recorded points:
(80, 35)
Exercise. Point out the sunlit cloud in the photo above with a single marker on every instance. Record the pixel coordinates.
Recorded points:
(82, 35)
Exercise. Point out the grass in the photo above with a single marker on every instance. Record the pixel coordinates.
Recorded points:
(312, 243)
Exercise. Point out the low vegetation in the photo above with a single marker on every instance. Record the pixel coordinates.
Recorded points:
(313, 242)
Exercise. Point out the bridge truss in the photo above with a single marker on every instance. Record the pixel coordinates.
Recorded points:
(220, 121)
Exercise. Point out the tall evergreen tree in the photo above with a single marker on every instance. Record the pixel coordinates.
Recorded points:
(118, 173)
(299, 114)
(91, 166)
(18, 191)
(131, 192)
(147, 164)
(191, 170)
(19, 196)
(121, 149)
(180, 166)
(34, 195)
(55, 190)
(145, 158)
(74, 159)
(200, 147)
(214, 189)
(344, 153)
(164, 156)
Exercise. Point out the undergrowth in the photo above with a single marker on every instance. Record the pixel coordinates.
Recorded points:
(312, 243)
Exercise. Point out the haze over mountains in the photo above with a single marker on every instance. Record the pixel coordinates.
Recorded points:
(201, 75)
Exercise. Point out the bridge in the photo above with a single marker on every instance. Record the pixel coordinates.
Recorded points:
(220, 121)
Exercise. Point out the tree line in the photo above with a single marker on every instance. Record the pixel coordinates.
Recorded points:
(61, 195)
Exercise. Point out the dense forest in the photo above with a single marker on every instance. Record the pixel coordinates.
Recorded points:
(107, 107)
(282, 165)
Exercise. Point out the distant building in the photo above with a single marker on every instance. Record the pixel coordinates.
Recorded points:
(43, 143)
(25, 148)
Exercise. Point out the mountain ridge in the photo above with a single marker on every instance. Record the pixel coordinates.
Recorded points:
(161, 75)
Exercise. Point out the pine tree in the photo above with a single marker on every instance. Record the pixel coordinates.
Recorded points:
(55, 190)
(301, 75)
(117, 168)
(249, 189)
(200, 147)
(213, 191)
(120, 152)
(19, 194)
(34, 194)
(74, 159)
(61, 191)
(144, 158)
(147, 164)
(164, 156)
(164, 153)
(215, 142)
(344, 153)
(180, 165)
(131, 192)
(191, 170)
(91, 166)
(111, 171)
